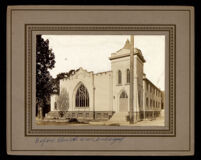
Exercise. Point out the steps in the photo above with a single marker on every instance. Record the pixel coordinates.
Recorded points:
(52, 115)
(119, 117)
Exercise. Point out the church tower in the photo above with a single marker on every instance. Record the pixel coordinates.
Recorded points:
(120, 66)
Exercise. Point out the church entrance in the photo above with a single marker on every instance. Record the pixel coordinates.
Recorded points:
(123, 102)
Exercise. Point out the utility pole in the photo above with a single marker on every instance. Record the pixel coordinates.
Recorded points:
(131, 113)
(94, 113)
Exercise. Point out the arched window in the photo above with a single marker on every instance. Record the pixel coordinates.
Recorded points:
(119, 77)
(128, 76)
(123, 95)
(82, 97)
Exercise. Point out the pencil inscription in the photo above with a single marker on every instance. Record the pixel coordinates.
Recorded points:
(109, 140)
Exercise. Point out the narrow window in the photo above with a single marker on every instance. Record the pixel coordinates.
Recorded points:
(147, 102)
(128, 75)
(119, 77)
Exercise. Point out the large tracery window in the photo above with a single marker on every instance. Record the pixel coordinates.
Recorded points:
(82, 97)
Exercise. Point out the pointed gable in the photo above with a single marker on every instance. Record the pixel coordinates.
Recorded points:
(125, 52)
(82, 72)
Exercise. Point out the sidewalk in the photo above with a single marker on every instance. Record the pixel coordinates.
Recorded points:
(159, 121)
(156, 122)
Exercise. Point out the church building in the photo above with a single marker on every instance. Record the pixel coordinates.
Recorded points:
(105, 95)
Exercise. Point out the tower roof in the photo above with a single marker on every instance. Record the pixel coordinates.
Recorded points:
(125, 51)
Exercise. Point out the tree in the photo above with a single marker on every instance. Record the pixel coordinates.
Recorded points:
(45, 60)
(63, 100)
(55, 81)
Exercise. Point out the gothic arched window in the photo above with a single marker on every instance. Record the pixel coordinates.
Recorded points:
(82, 97)
(119, 77)
(123, 95)
(128, 76)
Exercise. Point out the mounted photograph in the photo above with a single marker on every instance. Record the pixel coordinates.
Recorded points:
(100, 80)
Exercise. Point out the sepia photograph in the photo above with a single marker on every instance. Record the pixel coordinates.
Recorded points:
(101, 80)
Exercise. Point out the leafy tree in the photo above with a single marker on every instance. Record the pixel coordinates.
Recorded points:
(56, 80)
(45, 60)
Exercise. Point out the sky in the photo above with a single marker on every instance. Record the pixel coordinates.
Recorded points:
(92, 53)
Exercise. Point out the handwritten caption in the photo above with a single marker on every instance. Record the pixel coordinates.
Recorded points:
(46, 140)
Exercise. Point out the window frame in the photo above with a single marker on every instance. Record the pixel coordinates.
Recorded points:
(127, 75)
(82, 97)
(119, 77)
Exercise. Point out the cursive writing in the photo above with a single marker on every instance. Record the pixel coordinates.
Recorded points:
(46, 140)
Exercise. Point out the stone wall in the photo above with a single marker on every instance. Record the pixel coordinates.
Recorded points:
(86, 115)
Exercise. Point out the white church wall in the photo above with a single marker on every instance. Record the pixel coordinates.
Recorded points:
(121, 64)
(138, 82)
(103, 91)
(144, 104)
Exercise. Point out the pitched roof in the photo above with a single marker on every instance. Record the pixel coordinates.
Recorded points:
(125, 51)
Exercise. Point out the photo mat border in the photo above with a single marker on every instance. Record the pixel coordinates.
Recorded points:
(189, 151)
(171, 132)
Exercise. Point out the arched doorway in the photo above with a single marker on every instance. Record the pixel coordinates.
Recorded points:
(123, 102)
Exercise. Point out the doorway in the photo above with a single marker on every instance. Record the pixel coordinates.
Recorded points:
(123, 102)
